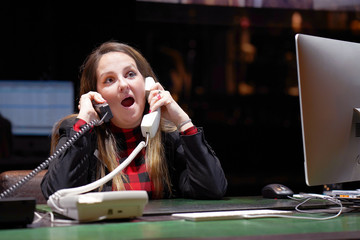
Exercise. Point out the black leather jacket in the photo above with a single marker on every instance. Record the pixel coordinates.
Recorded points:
(194, 169)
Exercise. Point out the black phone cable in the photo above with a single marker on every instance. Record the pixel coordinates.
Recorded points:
(46, 163)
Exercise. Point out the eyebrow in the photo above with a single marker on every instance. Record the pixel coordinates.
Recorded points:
(131, 66)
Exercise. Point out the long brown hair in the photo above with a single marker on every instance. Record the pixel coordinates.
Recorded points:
(107, 148)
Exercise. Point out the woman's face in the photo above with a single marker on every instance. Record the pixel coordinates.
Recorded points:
(122, 86)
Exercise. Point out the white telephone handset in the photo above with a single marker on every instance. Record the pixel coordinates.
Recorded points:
(150, 122)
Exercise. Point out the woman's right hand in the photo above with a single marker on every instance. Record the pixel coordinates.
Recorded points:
(86, 109)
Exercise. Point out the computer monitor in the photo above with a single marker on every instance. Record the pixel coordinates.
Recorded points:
(33, 107)
(329, 90)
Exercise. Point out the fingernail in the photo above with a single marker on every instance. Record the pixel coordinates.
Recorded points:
(149, 111)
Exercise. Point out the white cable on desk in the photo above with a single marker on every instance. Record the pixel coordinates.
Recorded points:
(308, 197)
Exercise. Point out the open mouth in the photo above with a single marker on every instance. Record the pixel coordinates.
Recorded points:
(127, 102)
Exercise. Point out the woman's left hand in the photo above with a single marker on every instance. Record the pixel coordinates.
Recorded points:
(170, 110)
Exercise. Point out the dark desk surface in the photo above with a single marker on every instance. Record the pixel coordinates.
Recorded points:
(157, 223)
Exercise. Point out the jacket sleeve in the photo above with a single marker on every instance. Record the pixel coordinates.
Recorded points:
(72, 167)
(201, 175)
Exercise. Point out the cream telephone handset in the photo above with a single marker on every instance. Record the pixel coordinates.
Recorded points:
(150, 122)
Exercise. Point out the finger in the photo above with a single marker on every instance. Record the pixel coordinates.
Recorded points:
(96, 97)
(91, 97)
(153, 94)
(86, 108)
(154, 99)
(158, 95)
(159, 98)
(164, 96)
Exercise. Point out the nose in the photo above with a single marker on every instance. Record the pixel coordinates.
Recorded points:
(123, 84)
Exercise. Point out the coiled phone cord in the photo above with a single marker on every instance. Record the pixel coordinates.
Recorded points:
(46, 163)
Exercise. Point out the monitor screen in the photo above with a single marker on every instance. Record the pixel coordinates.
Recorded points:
(329, 87)
(33, 107)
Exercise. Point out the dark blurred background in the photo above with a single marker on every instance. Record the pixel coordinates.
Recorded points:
(230, 64)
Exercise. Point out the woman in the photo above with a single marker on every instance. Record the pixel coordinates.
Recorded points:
(177, 162)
